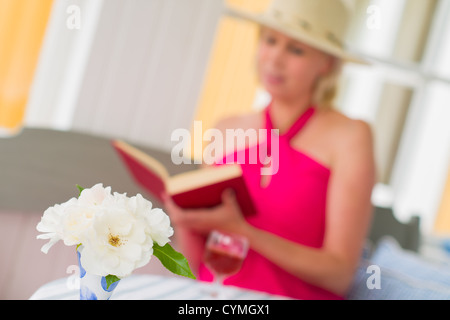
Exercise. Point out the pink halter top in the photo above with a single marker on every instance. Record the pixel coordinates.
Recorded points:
(292, 206)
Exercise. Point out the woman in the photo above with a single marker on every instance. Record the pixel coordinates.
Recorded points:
(314, 213)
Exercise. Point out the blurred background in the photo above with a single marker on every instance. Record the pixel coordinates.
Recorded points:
(76, 73)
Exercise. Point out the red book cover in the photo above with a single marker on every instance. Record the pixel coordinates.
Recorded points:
(201, 188)
(211, 195)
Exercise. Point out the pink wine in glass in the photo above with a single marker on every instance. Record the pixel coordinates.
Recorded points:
(224, 254)
(223, 262)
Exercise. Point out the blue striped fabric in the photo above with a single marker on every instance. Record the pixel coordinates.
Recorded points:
(151, 287)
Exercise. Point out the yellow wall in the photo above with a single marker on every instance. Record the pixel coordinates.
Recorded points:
(230, 82)
(22, 27)
(443, 219)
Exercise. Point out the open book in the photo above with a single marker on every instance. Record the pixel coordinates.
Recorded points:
(199, 188)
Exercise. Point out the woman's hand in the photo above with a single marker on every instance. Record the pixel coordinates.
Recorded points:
(226, 217)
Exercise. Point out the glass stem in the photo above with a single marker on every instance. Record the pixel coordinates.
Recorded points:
(217, 285)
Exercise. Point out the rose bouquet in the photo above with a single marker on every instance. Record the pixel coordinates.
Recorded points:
(114, 234)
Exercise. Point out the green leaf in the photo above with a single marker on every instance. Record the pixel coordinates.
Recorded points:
(80, 189)
(174, 261)
(110, 279)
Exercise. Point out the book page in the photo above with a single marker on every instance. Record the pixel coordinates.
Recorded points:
(202, 177)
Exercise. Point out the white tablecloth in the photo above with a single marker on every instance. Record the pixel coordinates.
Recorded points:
(150, 287)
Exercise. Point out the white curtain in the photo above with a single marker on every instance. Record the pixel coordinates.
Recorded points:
(133, 70)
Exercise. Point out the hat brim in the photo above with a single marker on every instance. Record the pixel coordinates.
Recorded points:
(300, 36)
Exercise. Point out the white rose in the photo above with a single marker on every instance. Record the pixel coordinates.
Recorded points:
(117, 232)
(158, 222)
(51, 224)
(116, 244)
(159, 226)
(76, 221)
(79, 216)
(94, 196)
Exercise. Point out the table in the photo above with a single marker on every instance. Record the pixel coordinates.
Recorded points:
(150, 287)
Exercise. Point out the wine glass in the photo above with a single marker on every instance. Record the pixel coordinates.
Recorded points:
(224, 255)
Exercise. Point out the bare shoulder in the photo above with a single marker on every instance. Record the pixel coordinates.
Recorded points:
(347, 133)
(351, 143)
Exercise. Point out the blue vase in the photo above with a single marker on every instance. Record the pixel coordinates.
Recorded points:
(93, 287)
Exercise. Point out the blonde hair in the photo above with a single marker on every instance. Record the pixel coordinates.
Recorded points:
(326, 87)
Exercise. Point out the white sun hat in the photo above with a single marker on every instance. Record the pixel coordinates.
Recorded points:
(322, 24)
